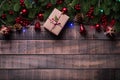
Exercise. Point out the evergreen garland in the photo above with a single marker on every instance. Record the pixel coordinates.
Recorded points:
(108, 7)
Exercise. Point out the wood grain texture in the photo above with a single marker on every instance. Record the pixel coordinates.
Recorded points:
(59, 61)
(43, 56)
(60, 47)
(60, 74)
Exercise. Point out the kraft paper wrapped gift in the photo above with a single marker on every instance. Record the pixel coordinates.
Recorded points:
(56, 21)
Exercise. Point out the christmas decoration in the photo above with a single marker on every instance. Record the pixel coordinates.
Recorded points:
(82, 30)
(98, 27)
(3, 16)
(18, 19)
(56, 21)
(112, 23)
(18, 27)
(22, 3)
(93, 9)
(70, 24)
(96, 11)
(90, 13)
(40, 17)
(24, 11)
(49, 5)
(79, 18)
(11, 12)
(22, 21)
(77, 7)
(101, 10)
(104, 22)
(60, 1)
(110, 32)
(25, 23)
(5, 31)
(64, 10)
(24, 29)
(37, 26)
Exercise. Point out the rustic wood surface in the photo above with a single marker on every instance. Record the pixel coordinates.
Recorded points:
(67, 57)
(59, 61)
(83, 47)
(60, 74)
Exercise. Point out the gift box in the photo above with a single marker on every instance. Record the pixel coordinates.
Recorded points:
(56, 21)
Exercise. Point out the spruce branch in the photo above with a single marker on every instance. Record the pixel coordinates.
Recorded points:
(2, 3)
(99, 2)
(2, 21)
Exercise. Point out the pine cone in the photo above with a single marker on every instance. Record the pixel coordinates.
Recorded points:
(79, 18)
(18, 26)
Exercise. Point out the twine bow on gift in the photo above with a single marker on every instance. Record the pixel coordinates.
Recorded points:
(55, 21)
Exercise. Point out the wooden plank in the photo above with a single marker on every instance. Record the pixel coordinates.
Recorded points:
(59, 74)
(60, 47)
(45, 74)
(59, 61)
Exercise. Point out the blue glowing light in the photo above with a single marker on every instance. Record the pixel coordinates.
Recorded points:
(70, 24)
(23, 30)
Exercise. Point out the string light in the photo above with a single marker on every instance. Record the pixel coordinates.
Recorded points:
(70, 24)
(101, 10)
(24, 30)
(118, 0)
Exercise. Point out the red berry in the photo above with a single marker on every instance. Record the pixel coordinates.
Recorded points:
(98, 27)
(22, 3)
(18, 19)
(40, 17)
(11, 12)
(24, 11)
(77, 7)
(49, 5)
(3, 16)
(60, 1)
(64, 10)
(82, 30)
(112, 23)
(37, 26)
(90, 12)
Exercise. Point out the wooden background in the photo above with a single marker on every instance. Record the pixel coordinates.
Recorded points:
(43, 56)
